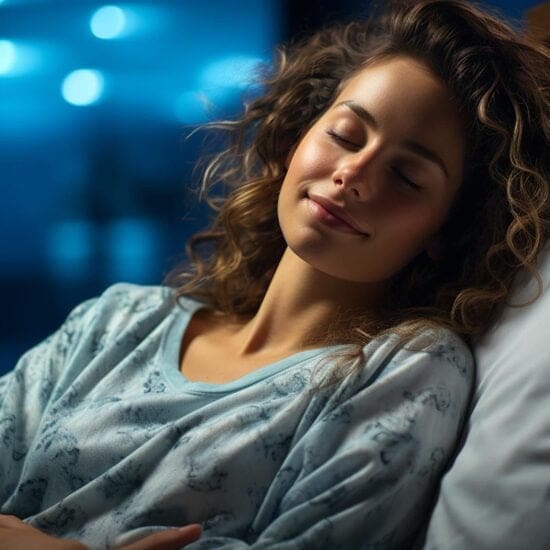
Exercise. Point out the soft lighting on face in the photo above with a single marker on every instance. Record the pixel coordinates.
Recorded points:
(8, 54)
(82, 87)
(108, 22)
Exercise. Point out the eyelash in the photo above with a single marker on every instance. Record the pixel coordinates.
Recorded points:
(407, 181)
(341, 139)
(347, 142)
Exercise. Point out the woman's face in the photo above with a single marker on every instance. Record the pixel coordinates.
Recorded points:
(371, 182)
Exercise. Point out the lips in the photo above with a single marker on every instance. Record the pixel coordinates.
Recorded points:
(336, 214)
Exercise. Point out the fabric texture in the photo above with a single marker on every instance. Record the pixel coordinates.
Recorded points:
(497, 493)
(102, 438)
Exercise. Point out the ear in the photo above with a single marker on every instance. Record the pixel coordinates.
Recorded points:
(434, 248)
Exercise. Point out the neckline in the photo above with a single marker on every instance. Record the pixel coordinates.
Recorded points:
(171, 346)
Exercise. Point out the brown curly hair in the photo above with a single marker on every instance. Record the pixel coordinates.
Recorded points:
(498, 224)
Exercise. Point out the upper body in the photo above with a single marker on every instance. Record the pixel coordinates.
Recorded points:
(103, 436)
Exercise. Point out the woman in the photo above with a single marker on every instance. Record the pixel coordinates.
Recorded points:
(308, 387)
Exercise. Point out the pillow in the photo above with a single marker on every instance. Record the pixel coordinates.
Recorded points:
(497, 492)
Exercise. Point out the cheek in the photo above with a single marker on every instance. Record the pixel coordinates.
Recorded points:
(310, 157)
(412, 227)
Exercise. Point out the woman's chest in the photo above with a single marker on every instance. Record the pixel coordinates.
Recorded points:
(211, 356)
(217, 365)
(200, 456)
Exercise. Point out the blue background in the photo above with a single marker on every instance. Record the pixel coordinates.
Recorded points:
(98, 193)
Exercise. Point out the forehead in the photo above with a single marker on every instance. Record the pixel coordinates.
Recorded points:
(401, 86)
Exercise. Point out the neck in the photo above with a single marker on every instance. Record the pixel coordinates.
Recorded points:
(299, 305)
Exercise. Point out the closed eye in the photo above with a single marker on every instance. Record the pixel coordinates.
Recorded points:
(342, 140)
(406, 180)
(347, 143)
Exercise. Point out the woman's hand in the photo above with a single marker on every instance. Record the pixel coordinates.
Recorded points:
(18, 535)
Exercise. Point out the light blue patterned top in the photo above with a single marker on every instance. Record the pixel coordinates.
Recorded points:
(103, 439)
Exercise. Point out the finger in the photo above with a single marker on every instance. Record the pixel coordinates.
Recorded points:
(170, 539)
(192, 531)
(7, 520)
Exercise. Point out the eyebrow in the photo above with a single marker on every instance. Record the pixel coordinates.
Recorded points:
(409, 144)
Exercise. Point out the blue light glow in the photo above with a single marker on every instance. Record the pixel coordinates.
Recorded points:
(69, 249)
(132, 249)
(108, 22)
(8, 54)
(192, 107)
(231, 72)
(83, 87)
(18, 58)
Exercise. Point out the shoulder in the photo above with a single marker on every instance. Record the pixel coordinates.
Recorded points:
(431, 376)
(418, 389)
(131, 311)
(435, 361)
(438, 346)
(132, 299)
(432, 350)
(142, 297)
(122, 305)
(129, 295)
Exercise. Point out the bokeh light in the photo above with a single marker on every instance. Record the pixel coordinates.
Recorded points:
(132, 249)
(21, 57)
(8, 54)
(108, 22)
(69, 248)
(107, 195)
(231, 72)
(83, 87)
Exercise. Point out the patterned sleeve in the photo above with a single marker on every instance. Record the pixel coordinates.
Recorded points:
(26, 391)
(365, 473)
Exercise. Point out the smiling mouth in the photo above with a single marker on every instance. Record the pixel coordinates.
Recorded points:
(330, 218)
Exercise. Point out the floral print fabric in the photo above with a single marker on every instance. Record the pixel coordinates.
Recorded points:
(103, 439)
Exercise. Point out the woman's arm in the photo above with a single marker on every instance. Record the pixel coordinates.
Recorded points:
(17, 535)
(26, 391)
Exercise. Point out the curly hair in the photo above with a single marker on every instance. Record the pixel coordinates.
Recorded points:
(498, 223)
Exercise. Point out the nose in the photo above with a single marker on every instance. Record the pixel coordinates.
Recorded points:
(355, 173)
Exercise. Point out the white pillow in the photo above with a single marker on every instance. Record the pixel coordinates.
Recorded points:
(496, 495)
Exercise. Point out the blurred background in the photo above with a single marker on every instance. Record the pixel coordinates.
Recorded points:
(96, 101)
